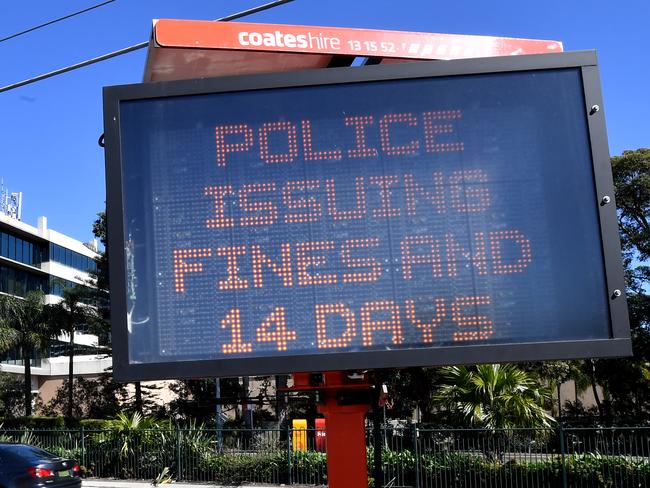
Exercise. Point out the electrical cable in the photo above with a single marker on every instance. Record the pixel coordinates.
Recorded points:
(65, 17)
(132, 48)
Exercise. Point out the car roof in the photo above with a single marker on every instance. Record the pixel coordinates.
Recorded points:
(26, 450)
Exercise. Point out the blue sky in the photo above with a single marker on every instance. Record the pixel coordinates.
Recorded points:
(49, 130)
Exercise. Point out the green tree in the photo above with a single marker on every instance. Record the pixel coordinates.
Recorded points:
(494, 396)
(626, 381)
(555, 373)
(631, 173)
(25, 326)
(93, 398)
(11, 392)
(100, 232)
(195, 399)
(72, 312)
(410, 389)
(6, 336)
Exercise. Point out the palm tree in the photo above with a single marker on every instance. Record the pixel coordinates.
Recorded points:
(68, 315)
(6, 333)
(494, 396)
(24, 325)
(133, 430)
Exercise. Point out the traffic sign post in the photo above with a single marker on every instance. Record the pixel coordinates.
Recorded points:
(344, 401)
(390, 216)
(413, 214)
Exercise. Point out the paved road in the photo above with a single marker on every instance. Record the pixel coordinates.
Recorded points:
(143, 484)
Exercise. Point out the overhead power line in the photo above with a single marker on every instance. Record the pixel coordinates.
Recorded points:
(65, 17)
(132, 48)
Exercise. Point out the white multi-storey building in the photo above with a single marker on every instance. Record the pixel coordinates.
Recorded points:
(39, 258)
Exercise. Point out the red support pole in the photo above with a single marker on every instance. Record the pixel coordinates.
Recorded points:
(345, 402)
(347, 466)
(346, 444)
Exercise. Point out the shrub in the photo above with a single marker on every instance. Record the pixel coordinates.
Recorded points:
(35, 423)
(94, 424)
(240, 468)
(271, 467)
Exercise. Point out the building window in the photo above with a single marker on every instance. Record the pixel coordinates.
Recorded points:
(72, 259)
(59, 349)
(20, 282)
(14, 356)
(58, 285)
(22, 250)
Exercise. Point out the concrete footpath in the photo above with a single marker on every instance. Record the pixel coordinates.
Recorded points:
(142, 484)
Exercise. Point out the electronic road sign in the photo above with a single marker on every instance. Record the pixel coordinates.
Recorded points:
(385, 216)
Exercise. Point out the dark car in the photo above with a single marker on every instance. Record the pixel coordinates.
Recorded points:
(24, 466)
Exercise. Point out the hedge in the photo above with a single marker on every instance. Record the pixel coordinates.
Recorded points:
(460, 470)
(51, 423)
(192, 456)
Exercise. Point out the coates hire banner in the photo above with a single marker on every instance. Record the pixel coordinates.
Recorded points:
(336, 40)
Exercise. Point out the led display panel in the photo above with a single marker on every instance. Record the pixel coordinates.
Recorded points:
(433, 213)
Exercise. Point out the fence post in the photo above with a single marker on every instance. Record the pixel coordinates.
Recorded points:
(83, 447)
(179, 467)
(416, 451)
(562, 451)
(288, 453)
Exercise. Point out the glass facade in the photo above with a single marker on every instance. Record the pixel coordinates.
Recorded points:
(34, 253)
(22, 250)
(58, 349)
(15, 357)
(20, 282)
(72, 259)
(57, 285)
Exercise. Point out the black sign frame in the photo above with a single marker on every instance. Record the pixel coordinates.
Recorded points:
(618, 344)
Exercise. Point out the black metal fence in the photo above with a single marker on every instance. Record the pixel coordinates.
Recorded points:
(412, 456)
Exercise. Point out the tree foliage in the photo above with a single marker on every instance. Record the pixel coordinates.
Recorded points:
(196, 398)
(411, 389)
(71, 313)
(143, 401)
(626, 381)
(24, 325)
(632, 181)
(92, 398)
(100, 232)
(494, 396)
(12, 403)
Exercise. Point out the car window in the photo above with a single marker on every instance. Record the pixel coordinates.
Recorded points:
(26, 452)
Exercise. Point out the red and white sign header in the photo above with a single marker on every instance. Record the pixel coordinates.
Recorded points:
(341, 41)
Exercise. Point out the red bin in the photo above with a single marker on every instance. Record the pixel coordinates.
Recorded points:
(321, 435)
